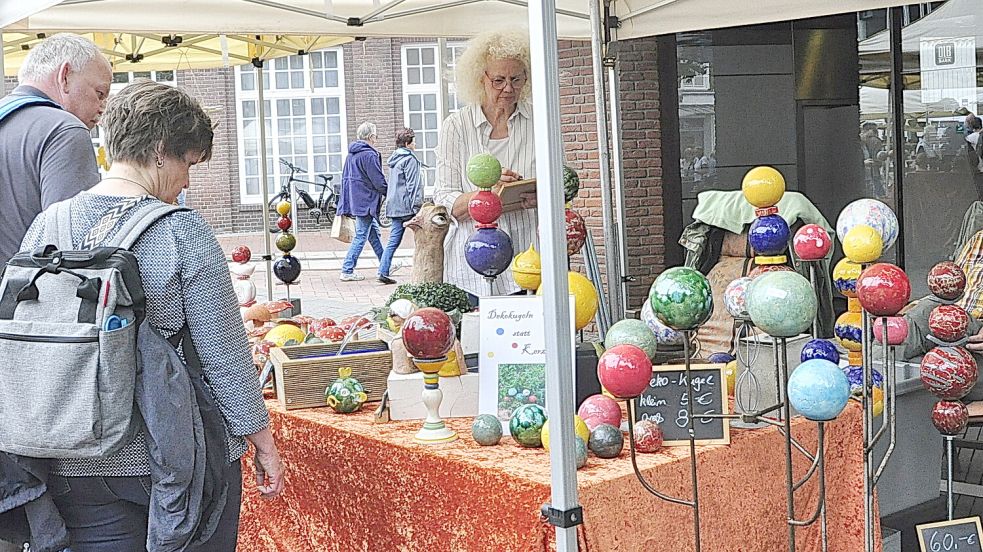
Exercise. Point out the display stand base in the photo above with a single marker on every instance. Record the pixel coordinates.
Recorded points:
(745, 425)
(433, 436)
(294, 310)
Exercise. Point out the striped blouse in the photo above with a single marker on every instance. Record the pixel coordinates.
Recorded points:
(970, 259)
(465, 134)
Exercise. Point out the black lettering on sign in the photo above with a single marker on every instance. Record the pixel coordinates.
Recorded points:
(666, 398)
(962, 535)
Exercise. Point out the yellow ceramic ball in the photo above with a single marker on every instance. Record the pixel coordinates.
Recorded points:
(584, 298)
(877, 398)
(526, 269)
(763, 186)
(863, 244)
(283, 208)
(579, 427)
(284, 333)
(730, 373)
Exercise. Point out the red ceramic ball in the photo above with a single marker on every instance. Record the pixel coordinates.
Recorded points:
(897, 330)
(284, 223)
(485, 207)
(576, 232)
(946, 280)
(950, 417)
(428, 333)
(949, 372)
(812, 242)
(883, 289)
(762, 269)
(648, 436)
(624, 370)
(600, 409)
(241, 254)
(948, 322)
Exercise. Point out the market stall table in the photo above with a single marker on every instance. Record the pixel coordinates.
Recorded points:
(357, 485)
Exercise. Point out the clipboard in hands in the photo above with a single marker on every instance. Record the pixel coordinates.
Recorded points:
(511, 193)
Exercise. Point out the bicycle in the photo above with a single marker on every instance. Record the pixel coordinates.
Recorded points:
(326, 204)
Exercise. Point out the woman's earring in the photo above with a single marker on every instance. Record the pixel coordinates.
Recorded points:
(160, 161)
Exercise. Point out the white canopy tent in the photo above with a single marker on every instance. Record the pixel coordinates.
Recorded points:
(547, 19)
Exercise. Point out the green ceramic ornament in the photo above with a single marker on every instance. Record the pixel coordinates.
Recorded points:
(571, 184)
(346, 394)
(632, 332)
(486, 430)
(681, 298)
(782, 304)
(526, 425)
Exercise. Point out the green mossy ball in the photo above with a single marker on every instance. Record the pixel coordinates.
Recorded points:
(526, 425)
(632, 332)
(606, 441)
(486, 430)
(581, 448)
(484, 170)
(681, 298)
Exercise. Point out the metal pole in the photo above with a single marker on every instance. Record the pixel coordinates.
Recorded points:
(781, 353)
(612, 252)
(618, 197)
(552, 227)
(948, 478)
(868, 429)
(694, 480)
(3, 79)
(261, 112)
(442, 104)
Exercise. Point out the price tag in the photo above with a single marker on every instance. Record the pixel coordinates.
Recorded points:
(963, 535)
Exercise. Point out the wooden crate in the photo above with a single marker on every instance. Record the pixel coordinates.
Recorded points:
(303, 372)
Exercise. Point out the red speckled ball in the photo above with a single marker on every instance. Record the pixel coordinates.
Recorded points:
(284, 223)
(950, 417)
(897, 330)
(812, 242)
(485, 207)
(576, 232)
(648, 436)
(600, 409)
(948, 322)
(241, 254)
(946, 280)
(761, 269)
(624, 370)
(883, 289)
(428, 333)
(949, 372)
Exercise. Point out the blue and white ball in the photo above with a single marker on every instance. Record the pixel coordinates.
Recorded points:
(820, 348)
(818, 389)
(872, 213)
(664, 335)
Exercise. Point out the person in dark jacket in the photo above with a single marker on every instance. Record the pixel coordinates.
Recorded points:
(405, 196)
(363, 186)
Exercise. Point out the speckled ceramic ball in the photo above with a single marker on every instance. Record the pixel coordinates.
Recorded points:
(812, 242)
(863, 244)
(600, 409)
(947, 281)
(632, 332)
(681, 298)
(869, 212)
(526, 425)
(818, 389)
(664, 335)
(735, 297)
(782, 304)
(950, 417)
(576, 232)
(768, 235)
(855, 375)
(845, 275)
(766, 268)
(606, 441)
(883, 289)
(241, 254)
(897, 330)
(580, 450)
(486, 430)
(625, 371)
(428, 333)
(648, 436)
(949, 372)
(948, 322)
(763, 186)
(821, 349)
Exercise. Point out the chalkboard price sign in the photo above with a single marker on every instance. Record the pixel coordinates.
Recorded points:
(962, 535)
(665, 402)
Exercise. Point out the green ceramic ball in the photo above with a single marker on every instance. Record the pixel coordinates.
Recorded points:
(581, 450)
(526, 425)
(606, 441)
(782, 304)
(681, 298)
(486, 430)
(632, 332)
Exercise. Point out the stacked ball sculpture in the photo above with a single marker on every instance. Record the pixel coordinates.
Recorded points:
(287, 267)
(428, 335)
(948, 371)
(769, 234)
(489, 250)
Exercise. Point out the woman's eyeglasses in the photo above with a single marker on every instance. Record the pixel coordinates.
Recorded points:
(499, 83)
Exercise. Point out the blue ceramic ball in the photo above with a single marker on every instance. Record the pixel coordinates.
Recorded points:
(769, 235)
(820, 348)
(720, 358)
(488, 251)
(855, 375)
(486, 430)
(782, 304)
(818, 389)
(581, 450)
(287, 269)
(606, 441)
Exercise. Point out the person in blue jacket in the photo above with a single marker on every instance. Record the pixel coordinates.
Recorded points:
(405, 195)
(363, 186)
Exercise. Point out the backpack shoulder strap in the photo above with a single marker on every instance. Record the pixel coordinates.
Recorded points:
(140, 221)
(58, 225)
(13, 103)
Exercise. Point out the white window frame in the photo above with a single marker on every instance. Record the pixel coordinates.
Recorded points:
(271, 95)
(97, 133)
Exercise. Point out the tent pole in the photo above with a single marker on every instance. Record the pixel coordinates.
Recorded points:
(611, 249)
(265, 228)
(442, 105)
(552, 226)
(614, 95)
(3, 76)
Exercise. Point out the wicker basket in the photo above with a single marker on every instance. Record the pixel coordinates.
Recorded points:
(303, 372)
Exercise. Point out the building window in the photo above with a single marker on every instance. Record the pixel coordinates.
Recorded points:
(421, 106)
(120, 80)
(305, 120)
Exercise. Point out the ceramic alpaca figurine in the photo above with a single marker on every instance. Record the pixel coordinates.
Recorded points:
(430, 227)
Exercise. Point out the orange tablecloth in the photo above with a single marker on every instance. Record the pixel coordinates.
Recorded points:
(355, 485)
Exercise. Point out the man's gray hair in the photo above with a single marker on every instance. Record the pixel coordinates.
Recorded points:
(45, 58)
(365, 131)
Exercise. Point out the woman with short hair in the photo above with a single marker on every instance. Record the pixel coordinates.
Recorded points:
(404, 196)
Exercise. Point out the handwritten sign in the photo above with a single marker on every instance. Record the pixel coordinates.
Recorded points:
(964, 535)
(666, 400)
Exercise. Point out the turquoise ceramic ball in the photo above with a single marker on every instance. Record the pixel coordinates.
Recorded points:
(632, 332)
(681, 298)
(526, 425)
(486, 430)
(606, 441)
(581, 449)
(782, 304)
(818, 389)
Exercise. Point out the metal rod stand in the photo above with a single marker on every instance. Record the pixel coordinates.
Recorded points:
(948, 475)
(781, 360)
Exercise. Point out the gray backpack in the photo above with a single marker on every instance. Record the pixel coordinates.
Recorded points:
(68, 337)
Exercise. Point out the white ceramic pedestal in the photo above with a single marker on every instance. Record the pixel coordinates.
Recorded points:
(434, 430)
